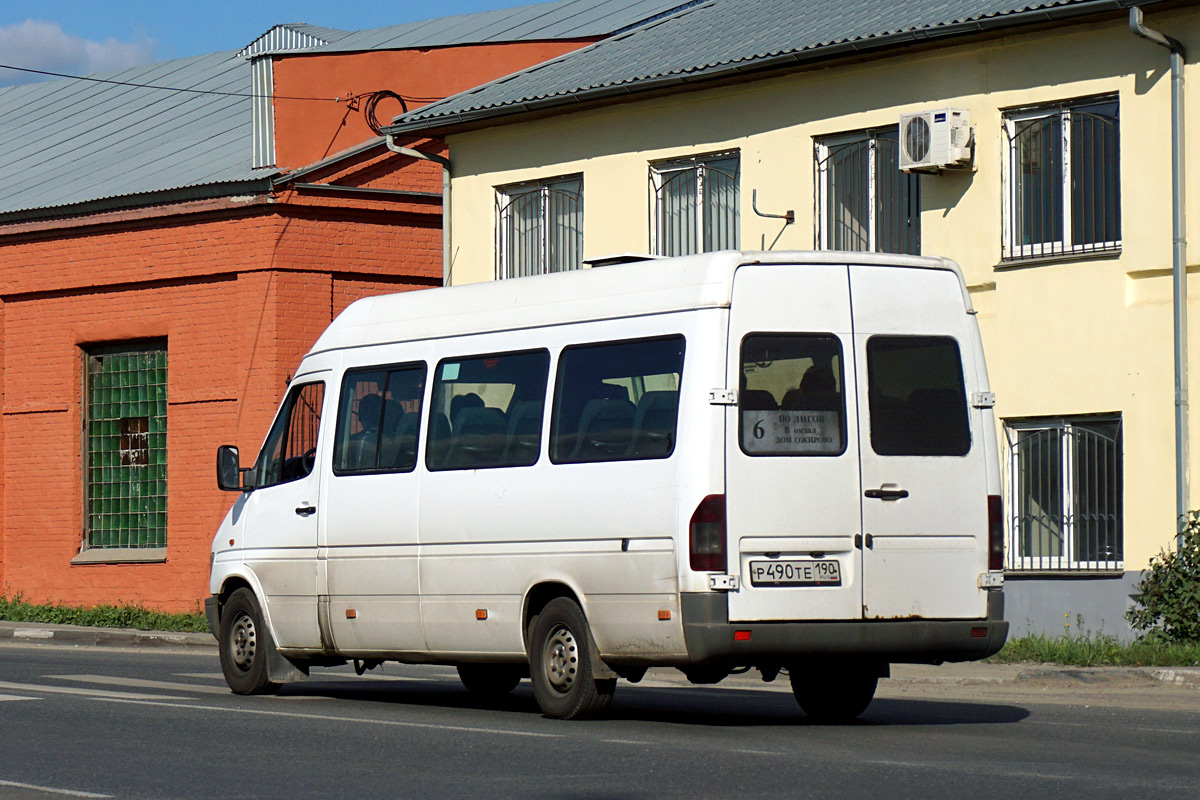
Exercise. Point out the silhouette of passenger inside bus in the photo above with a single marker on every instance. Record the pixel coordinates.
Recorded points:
(817, 391)
(363, 445)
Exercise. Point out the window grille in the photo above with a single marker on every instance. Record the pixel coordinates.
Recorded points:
(864, 201)
(126, 447)
(1063, 193)
(540, 227)
(1065, 495)
(696, 205)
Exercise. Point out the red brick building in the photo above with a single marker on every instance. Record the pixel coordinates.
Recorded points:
(161, 274)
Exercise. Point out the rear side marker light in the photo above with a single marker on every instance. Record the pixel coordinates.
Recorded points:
(995, 533)
(664, 613)
(979, 633)
(706, 535)
(741, 636)
(481, 613)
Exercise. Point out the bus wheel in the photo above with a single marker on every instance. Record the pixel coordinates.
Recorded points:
(560, 664)
(490, 680)
(245, 644)
(834, 693)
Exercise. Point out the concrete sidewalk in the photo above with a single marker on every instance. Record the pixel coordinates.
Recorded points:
(973, 673)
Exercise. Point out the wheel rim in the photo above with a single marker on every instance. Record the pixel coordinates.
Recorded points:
(243, 641)
(562, 659)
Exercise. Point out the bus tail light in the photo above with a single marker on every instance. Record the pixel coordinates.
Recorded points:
(995, 533)
(706, 535)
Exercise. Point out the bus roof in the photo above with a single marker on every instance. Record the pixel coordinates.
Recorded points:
(626, 290)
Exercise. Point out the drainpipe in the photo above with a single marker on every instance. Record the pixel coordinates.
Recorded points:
(1179, 263)
(445, 162)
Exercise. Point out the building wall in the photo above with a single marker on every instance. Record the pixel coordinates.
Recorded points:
(308, 131)
(239, 296)
(1062, 337)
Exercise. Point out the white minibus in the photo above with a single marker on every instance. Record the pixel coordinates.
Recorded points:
(781, 461)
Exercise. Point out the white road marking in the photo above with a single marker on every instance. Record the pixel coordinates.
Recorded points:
(39, 687)
(4, 697)
(67, 792)
(139, 683)
(329, 718)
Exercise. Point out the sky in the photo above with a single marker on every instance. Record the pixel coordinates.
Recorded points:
(80, 37)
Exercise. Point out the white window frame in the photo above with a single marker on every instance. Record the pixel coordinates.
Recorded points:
(1068, 560)
(1065, 245)
(662, 170)
(824, 147)
(505, 196)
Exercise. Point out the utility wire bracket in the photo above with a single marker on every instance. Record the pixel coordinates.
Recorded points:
(789, 217)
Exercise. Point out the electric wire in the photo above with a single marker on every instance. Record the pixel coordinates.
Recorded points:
(350, 100)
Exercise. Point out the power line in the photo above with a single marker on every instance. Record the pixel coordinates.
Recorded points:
(351, 99)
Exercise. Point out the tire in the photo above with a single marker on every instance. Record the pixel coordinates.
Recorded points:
(834, 693)
(560, 664)
(490, 681)
(245, 645)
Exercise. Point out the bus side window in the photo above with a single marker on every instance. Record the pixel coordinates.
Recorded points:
(291, 447)
(379, 417)
(617, 401)
(486, 411)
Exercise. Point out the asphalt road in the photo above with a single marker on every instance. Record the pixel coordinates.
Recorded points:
(95, 722)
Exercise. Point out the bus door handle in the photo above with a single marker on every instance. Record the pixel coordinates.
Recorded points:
(885, 492)
(306, 510)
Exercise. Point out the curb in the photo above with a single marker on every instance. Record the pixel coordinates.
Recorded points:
(80, 636)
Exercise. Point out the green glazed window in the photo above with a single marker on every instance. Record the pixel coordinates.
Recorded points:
(126, 447)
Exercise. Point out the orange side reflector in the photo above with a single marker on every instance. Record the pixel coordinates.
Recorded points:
(351, 613)
(481, 613)
(741, 636)
(231, 542)
(664, 613)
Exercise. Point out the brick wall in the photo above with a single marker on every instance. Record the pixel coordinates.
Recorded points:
(238, 295)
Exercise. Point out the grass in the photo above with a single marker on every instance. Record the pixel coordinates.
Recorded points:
(15, 609)
(1086, 650)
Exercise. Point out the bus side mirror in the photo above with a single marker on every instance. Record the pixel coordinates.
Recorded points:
(229, 472)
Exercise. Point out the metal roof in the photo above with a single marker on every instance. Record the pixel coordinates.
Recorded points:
(562, 19)
(722, 38)
(81, 145)
(68, 143)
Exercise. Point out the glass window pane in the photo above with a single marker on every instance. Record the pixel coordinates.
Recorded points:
(1097, 491)
(721, 200)
(1040, 521)
(486, 411)
(617, 402)
(791, 400)
(847, 176)
(126, 458)
(1095, 174)
(1037, 181)
(564, 208)
(378, 419)
(291, 446)
(676, 213)
(917, 398)
(897, 200)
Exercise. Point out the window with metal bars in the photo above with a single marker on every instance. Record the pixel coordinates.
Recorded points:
(1065, 494)
(126, 446)
(540, 227)
(864, 201)
(1063, 180)
(695, 205)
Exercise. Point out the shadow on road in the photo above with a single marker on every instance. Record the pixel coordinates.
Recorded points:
(685, 705)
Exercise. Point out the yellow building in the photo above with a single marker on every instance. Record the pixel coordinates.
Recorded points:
(1030, 143)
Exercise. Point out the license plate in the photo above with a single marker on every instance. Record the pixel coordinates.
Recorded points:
(796, 573)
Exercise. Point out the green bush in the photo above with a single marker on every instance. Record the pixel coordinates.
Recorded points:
(1098, 650)
(1168, 600)
(16, 609)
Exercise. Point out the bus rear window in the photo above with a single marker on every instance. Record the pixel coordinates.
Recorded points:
(791, 401)
(917, 399)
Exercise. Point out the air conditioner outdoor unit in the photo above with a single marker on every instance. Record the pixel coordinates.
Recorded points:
(931, 141)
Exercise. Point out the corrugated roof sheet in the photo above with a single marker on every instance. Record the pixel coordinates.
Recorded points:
(76, 145)
(69, 142)
(562, 19)
(722, 37)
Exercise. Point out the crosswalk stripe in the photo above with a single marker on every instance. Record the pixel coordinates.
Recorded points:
(140, 683)
(43, 688)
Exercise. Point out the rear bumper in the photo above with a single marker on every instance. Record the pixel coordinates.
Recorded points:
(709, 636)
